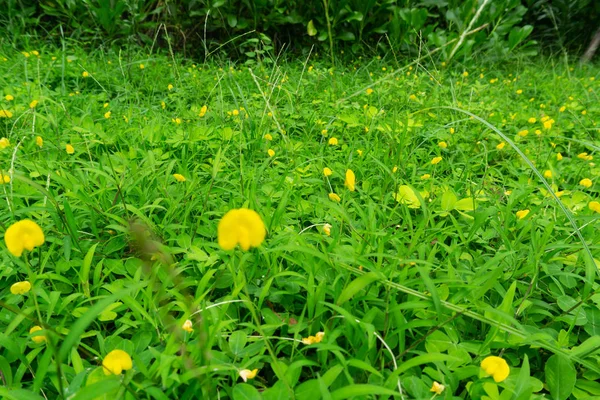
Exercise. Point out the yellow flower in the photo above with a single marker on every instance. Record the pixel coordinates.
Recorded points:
(465, 74)
(497, 367)
(350, 180)
(163, 105)
(271, 152)
(170, 87)
(327, 227)
(586, 182)
(594, 206)
(583, 112)
(452, 130)
(395, 169)
(436, 160)
(443, 145)
(116, 361)
(547, 174)
(314, 339)
(562, 109)
(425, 176)
(369, 91)
(203, 110)
(519, 91)
(235, 113)
(523, 133)
(548, 124)
(585, 156)
(176, 120)
(532, 120)
(107, 114)
(179, 177)
(334, 197)
(35, 53)
(412, 97)
(23, 235)
(241, 226)
(70, 149)
(187, 326)
(40, 338)
(522, 214)
(327, 171)
(324, 132)
(33, 104)
(9, 97)
(333, 141)
(142, 66)
(85, 74)
(538, 132)
(39, 141)
(4, 143)
(437, 388)
(359, 152)
(4, 179)
(246, 374)
(26, 54)
(20, 287)
(500, 146)
(559, 156)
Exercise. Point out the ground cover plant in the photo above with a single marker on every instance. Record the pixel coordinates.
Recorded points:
(379, 229)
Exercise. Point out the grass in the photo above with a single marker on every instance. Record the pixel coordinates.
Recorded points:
(427, 268)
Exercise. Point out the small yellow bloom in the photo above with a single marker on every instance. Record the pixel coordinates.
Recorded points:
(350, 180)
(107, 114)
(334, 197)
(35, 53)
(395, 169)
(547, 174)
(366, 129)
(33, 104)
(26, 54)
(465, 74)
(241, 226)
(497, 367)
(452, 130)
(9, 97)
(163, 105)
(412, 97)
(4, 143)
(532, 120)
(85, 74)
(170, 87)
(4, 179)
(314, 339)
(20, 287)
(583, 112)
(39, 338)
(538, 132)
(522, 214)
(436, 160)
(327, 229)
(437, 388)
(187, 326)
(586, 182)
(425, 176)
(39, 141)
(523, 133)
(507, 192)
(500, 146)
(559, 156)
(105, 105)
(70, 149)
(116, 361)
(519, 91)
(369, 91)
(235, 113)
(203, 110)
(585, 156)
(271, 152)
(333, 141)
(176, 120)
(327, 171)
(359, 152)
(594, 206)
(268, 136)
(179, 177)
(562, 109)
(324, 132)
(548, 124)
(23, 235)
(142, 66)
(443, 145)
(246, 374)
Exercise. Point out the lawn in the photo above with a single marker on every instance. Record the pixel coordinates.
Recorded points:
(420, 218)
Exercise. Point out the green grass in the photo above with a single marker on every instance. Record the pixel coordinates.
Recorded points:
(419, 281)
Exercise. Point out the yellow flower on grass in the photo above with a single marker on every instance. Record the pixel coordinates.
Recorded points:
(235, 113)
(496, 367)
(548, 124)
(268, 137)
(142, 66)
(23, 235)
(241, 226)
(562, 109)
(5, 114)
(4, 143)
(532, 120)
(85, 74)
(436, 160)
(187, 326)
(465, 74)
(334, 197)
(425, 176)
(107, 114)
(559, 156)
(4, 179)
(179, 177)
(584, 112)
(203, 111)
(359, 152)
(333, 141)
(519, 91)
(20, 287)
(170, 87)
(9, 97)
(70, 149)
(350, 180)
(314, 339)
(452, 130)
(523, 133)
(594, 206)
(500, 146)
(437, 388)
(327, 171)
(324, 132)
(412, 97)
(33, 104)
(443, 145)
(547, 174)
(246, 374)
(369, 91)
(522, 214)
(585, 156)
(39, 338)
(163, 105)
(327, 228)
(395, 169)
(586, 182)
(39, 141)
(116, 361)
(271, 152)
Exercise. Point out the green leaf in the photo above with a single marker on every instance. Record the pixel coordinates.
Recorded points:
(85, 270)
(560, 377)
(523, 389)
(356, 286)
(243, 391)
(237, 342)
(449, 199)
(310, 28)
